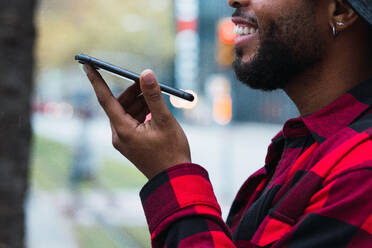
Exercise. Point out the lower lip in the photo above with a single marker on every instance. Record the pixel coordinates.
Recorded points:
(244, 39)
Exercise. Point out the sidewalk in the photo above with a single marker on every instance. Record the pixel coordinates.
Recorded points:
(46, 226)
(50, 219)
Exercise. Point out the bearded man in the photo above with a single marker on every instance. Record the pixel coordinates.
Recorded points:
(315, 189)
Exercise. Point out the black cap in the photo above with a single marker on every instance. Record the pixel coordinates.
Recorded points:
(363, 8)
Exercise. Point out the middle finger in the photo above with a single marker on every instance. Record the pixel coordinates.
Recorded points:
(137, 106)
(129, 95)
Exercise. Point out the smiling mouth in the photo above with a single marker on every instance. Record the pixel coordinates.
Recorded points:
(244, 26)
(247, 34)
(242, 30)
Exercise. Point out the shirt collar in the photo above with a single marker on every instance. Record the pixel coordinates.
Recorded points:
(340, 113)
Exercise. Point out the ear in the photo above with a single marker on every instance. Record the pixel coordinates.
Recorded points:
(341, 15)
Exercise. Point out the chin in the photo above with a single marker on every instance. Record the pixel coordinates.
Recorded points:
(246, 55)
(247, 58)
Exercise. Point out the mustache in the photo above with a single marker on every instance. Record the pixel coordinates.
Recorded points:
(250, 17)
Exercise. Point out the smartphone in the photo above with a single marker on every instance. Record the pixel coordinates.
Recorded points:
(99, 64)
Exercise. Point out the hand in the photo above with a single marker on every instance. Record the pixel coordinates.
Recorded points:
(151, 146)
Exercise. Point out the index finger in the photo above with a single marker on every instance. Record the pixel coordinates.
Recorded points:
(110, 105)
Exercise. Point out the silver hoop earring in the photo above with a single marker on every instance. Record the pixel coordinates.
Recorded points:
(334, 31)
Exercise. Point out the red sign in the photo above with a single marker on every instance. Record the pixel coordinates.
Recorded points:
(226, 32)
(187, 25)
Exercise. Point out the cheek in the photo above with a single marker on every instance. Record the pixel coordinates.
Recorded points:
(268, 12)
(272, 9)
(265, 11)
(322, 22)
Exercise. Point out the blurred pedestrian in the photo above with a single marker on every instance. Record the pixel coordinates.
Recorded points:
(315, 188)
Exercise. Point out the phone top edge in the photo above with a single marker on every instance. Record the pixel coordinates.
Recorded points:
(99, 64)
(82, 57)
(108, 67)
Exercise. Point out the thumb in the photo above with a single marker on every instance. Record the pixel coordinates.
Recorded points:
(153, 97)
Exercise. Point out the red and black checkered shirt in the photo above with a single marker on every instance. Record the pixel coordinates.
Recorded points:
(315, 189)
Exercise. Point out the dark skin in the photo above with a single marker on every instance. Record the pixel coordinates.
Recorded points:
(161, 143)
(347, 61)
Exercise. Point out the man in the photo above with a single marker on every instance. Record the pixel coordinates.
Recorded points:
(315, 189)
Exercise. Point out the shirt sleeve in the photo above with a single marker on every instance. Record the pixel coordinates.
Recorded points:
(182, 211)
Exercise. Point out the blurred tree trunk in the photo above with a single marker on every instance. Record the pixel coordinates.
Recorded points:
(17, 35)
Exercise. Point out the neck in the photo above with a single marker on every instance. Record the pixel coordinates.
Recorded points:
(340, 71)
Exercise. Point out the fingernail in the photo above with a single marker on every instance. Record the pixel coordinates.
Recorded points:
(86, 69)
(148, 77)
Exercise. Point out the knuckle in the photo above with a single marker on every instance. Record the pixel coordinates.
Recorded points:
(164, 118)
(102, 100)
(123, 135)
(154, 96)
(116, 143)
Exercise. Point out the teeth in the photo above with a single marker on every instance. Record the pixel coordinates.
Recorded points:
(239, 30)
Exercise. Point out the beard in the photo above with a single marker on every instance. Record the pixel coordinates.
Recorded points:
(287, 48)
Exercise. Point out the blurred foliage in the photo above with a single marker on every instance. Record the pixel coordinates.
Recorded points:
(68, 27)
(51, 163)
(140, 234)
(92, 237)
(117, 175)
(96, 237)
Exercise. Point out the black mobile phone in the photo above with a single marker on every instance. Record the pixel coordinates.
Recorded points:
(99, 64)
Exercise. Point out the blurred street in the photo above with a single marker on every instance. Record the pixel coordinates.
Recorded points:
(229, 153)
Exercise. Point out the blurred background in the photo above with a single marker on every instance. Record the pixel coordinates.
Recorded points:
(82, 193)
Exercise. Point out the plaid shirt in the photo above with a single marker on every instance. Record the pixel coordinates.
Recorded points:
(315, 189)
